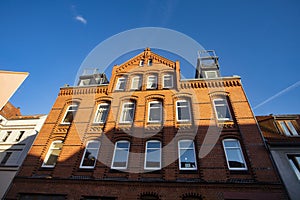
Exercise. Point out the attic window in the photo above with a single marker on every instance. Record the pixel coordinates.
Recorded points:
(141, 63)
(150, 62)
(84, 82)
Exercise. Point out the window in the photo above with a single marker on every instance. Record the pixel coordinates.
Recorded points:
(150, 62)
(120, 157)
(152, 82)
(6, 136)
(234, 155)
(155, 111)
(121, 84)
(183, 112)
(168, 81)
(5, 158)
(101, 113)
(20, 136)
(211, 74)
(221, 109)
(295, 164)
(187, 158)
(288, 128)
(153, 155)
(70, 113)
(90, 154)
(136, 83)
(53, 153)
(127, 114)
(84, 82)
(141, 63)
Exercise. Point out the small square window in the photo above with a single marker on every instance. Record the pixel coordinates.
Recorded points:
(150, 62)
(211, 74)
(141, 63)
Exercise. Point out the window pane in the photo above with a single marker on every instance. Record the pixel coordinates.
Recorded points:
(187, 158)
(53, 154)
(120, 155)
(222, 109)
(235, 158)
(121, 84)
(183, 111)
(295, 164)
(186, 144)
(168, 81)
(153, 154)
(102, 113)
(234, 155)
(155, 112)
(136, 83)
(70, 113)
(284, 128)
(292, 128)
(152, 82)
(127, 113)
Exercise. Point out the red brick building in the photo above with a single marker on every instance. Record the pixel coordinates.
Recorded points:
(148, 134)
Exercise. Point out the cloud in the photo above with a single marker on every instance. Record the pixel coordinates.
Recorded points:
(81, 19)
(278, 94)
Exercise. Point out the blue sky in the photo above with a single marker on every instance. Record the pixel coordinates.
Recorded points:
(257, 40)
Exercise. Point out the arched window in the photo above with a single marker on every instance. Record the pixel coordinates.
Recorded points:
(153, 155)
(222, 109)
(102, 113)
(127, 112)
(53, 153)
(70, 114)
(155, 111)
(183, 111)
(90, 154)
(186, 153)
(234, 155)
(120, 157)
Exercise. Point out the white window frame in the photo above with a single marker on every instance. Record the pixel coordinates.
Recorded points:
(96, 156)
(69, 110)
(241, 152)
(119, 83)
(99, 114)
(295, 169)
(184, 149)
(123, 112)
(133, 83)
(171, 78)
(149, 84)
(50, 150)
(288, 128)
(224, 104)
(189, 110)
(150, 62)
(141, 63)
(120, 149)
(146, 154)
(207, 72)
(160, 111)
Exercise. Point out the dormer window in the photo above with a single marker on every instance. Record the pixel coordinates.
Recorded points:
(121, 84)
(141, 63)
(152, 82)
(150, 62)
(84, 82)
(288, 128)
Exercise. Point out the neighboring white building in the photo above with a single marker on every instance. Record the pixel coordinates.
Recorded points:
(17, 134)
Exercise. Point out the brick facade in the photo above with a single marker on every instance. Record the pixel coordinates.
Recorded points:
(211, 178)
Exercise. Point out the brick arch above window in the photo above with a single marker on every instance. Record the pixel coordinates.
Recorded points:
(217, 94)
(191, 196)
(153, 97)
(149, 196)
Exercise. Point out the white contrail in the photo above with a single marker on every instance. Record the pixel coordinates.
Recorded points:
(278, 94)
